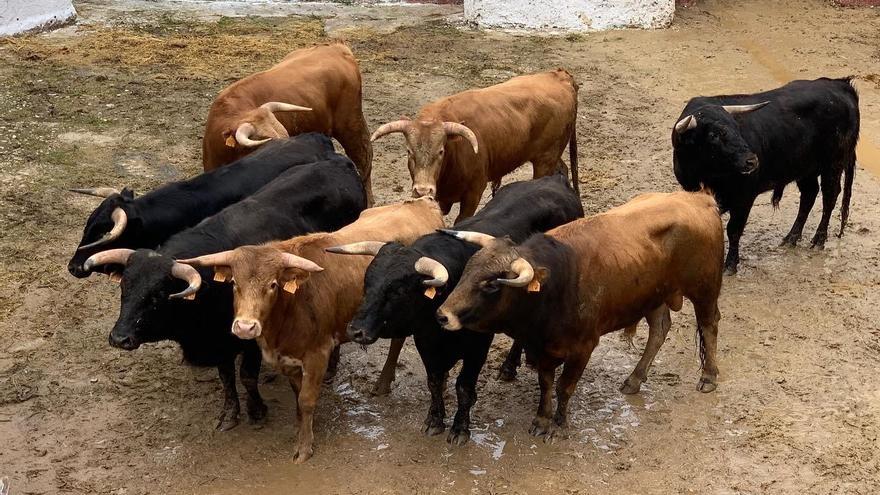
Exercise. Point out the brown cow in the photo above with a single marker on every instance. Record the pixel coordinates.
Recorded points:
(557, 293)
(298, 311)
(460, 143)
(315, 89)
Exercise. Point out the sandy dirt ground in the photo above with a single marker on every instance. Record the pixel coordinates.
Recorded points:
(120, 99)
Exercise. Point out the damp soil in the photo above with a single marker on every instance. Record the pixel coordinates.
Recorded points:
(120, 99)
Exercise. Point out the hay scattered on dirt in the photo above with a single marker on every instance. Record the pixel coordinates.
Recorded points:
(229, 48)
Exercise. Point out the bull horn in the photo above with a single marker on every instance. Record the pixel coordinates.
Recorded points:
(120, 220)
(524, 274)
(223, 258)
(434, 269)
(109, 257)
(294, 261)
(101, 192)
(686, 124)
(735, 109)
(366, 247)
(390, 128)
(277, 106)
(189, 275)
(478, 238)
(243, 136)
(463, 131)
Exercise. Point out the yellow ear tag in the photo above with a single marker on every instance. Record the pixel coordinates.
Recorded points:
(534, 286)
(191, 297)
(220, 276)
(290, 286)
(116, 277)
(230, 141)
(430, 292)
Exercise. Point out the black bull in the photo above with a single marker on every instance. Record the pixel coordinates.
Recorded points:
(146, 221)
(397, 302)
(743, 145)
(323, 196)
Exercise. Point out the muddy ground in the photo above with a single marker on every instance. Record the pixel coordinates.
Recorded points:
(120, 99)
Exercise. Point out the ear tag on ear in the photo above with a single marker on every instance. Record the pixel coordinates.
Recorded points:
(430, 292)
(116, 277)
(290, 286)
(534, 286)
(191, 297)
(230, 141)
(220, 276)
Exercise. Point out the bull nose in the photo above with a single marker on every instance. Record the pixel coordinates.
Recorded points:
(422, 190)
(751, 164)
(356, 334)
(246, 329)
(125, 342)
(442, 319)
(77, 270)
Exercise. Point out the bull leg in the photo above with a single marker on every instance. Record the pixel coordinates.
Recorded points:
(469, 203)
(332, 366)
(809, 188)
(507, 373)
(229, 415)
(707, 327)
(295, 378)
(356, 143)
(314, 367)
(466, 388)
(383, 384)
(542, 424)
(568, 380)
(435, 423)
(830, 191)
(735, 227)
(659, 323)
(250, 373)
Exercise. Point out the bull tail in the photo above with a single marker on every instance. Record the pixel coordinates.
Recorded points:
(849, 174)
(573, 157)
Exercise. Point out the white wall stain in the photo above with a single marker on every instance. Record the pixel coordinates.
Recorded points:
(570, 15)
(19, 16)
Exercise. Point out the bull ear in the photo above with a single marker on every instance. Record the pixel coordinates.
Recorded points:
(541, 276)
(292, 279)
(222, 273)
(127, 193)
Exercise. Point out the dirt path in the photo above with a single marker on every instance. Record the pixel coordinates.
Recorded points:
(122, 99)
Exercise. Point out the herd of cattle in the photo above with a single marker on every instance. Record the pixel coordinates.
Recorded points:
(273, 253)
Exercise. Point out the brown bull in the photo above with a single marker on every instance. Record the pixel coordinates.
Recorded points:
(458, 144)
(559, 292)
(315, 89)
(297, 310)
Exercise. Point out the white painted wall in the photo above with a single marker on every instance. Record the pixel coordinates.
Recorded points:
(18, 16)
(570, 15)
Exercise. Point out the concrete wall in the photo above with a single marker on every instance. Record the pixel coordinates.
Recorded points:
(570, 15)
(18, 16)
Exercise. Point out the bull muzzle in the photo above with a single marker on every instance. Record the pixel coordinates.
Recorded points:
(750, 165)
(422, 190)
(126, 342)
(359, 334)
(447, 320)
(246, 329)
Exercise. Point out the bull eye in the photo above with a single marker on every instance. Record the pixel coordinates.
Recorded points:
(489, 286)
(273, 285)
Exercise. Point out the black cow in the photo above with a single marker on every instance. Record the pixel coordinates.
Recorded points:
(744, 145)
(404, 286)
(123, 221)
(323, 196)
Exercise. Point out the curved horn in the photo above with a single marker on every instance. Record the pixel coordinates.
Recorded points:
(120, 220)
(277, 106)
(478, 238)
(524, 274)
(294, 261)
(434, 269)
(735, 109)
(686, 124)
(463, 131)
(189, 275)
(243, 136)
(109, 257)
(390, 128)
(366, 247)
(223, 258)
(101, 192)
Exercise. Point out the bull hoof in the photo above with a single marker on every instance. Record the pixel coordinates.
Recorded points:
(790, 241)
(227, 421)
(257, 412)
(631, 386)
(506, 374)
(543, 427)
(302, 455)
(730, 270)
(706, 385)
(458, 437)
(433, 426)
(381, 388)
